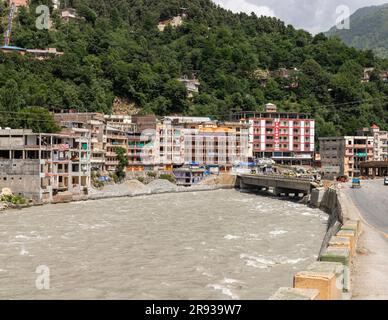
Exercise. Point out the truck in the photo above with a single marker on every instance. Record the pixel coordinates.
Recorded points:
(356, 183)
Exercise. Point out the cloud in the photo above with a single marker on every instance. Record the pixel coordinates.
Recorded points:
(312, 15)
(244, 6)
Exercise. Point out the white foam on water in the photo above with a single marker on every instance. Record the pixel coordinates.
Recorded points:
(257, 262)
(294, 261)
(308, 214)
(255, 237)
(24, 252)
(230, 281)
(203, 271)
(254, 264)
(232, 237)
(23, 237)
(20, 236)
(278, 232)
(225, 290)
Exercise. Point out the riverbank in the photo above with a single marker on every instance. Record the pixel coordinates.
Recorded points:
(135, 188)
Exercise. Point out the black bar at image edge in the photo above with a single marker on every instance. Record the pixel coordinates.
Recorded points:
(150, 310)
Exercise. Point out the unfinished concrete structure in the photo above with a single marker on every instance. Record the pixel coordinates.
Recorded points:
(342, 156)
(116, 138)
(119, 121)
(88, 122)
(45, 167)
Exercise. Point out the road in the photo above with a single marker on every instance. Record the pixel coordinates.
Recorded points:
(370, 204)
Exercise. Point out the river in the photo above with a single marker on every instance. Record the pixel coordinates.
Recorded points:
(202, 245)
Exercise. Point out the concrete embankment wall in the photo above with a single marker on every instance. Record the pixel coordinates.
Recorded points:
(329, 277)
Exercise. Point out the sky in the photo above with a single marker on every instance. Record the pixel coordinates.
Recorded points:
(312, 15)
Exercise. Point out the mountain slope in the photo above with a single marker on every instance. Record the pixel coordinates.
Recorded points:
(368, 30)
(117, 51)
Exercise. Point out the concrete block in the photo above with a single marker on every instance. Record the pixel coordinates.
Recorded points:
(354, 225)
(340, 255)
(295, 294)
(340, 242)
(352, 237)
(317, 197)
(332, 267)
(325, 282)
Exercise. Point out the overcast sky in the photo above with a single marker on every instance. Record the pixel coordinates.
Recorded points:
(312, 15)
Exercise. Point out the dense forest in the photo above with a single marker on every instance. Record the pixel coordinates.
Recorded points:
(116, 50)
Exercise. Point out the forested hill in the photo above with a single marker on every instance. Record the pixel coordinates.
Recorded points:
(368, 30)
(116, 50)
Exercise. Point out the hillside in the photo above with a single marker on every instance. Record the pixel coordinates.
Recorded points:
(368, 30)
(115, 51)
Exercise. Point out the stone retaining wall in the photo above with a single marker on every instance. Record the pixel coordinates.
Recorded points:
(330, 277)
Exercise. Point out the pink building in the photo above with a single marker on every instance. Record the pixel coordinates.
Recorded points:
(287, 138)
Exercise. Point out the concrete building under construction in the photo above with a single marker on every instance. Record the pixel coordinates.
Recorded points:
(45, 167)
(93, 122)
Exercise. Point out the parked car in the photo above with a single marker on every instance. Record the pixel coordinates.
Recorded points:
(343, 179)
(386, 181)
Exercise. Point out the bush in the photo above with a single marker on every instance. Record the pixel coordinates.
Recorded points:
(168, 177)
(152, 174)
(13, 199)
(141, 179)
(114, 177)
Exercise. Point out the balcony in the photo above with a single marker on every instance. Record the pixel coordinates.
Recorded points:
(112, 163)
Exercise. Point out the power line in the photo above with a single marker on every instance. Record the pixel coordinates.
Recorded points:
(28, 116)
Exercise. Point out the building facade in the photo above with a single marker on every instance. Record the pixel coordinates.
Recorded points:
(287, 138)
(116, 138)
(45, 167)
(380, 144)
(216, 144)
(342, 156)
(95, 123)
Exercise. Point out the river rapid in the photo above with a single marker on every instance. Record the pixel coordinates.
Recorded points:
(202, 245)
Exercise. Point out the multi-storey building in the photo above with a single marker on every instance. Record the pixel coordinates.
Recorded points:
(45, 167)
(18, 3)
(122, 122)
(140, 144)
(95, 123)
(178, 141)
(116, 138)
(168, 145)
(380, 144)
(342, 156)
(287, 138)
(216, 144)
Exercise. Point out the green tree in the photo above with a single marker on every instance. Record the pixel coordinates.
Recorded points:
(123, 163)
(38, 119)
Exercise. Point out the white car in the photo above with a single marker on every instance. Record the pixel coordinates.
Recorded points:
(386, 181)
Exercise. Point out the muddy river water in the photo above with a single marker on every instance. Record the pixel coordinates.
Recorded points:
(201, 245)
